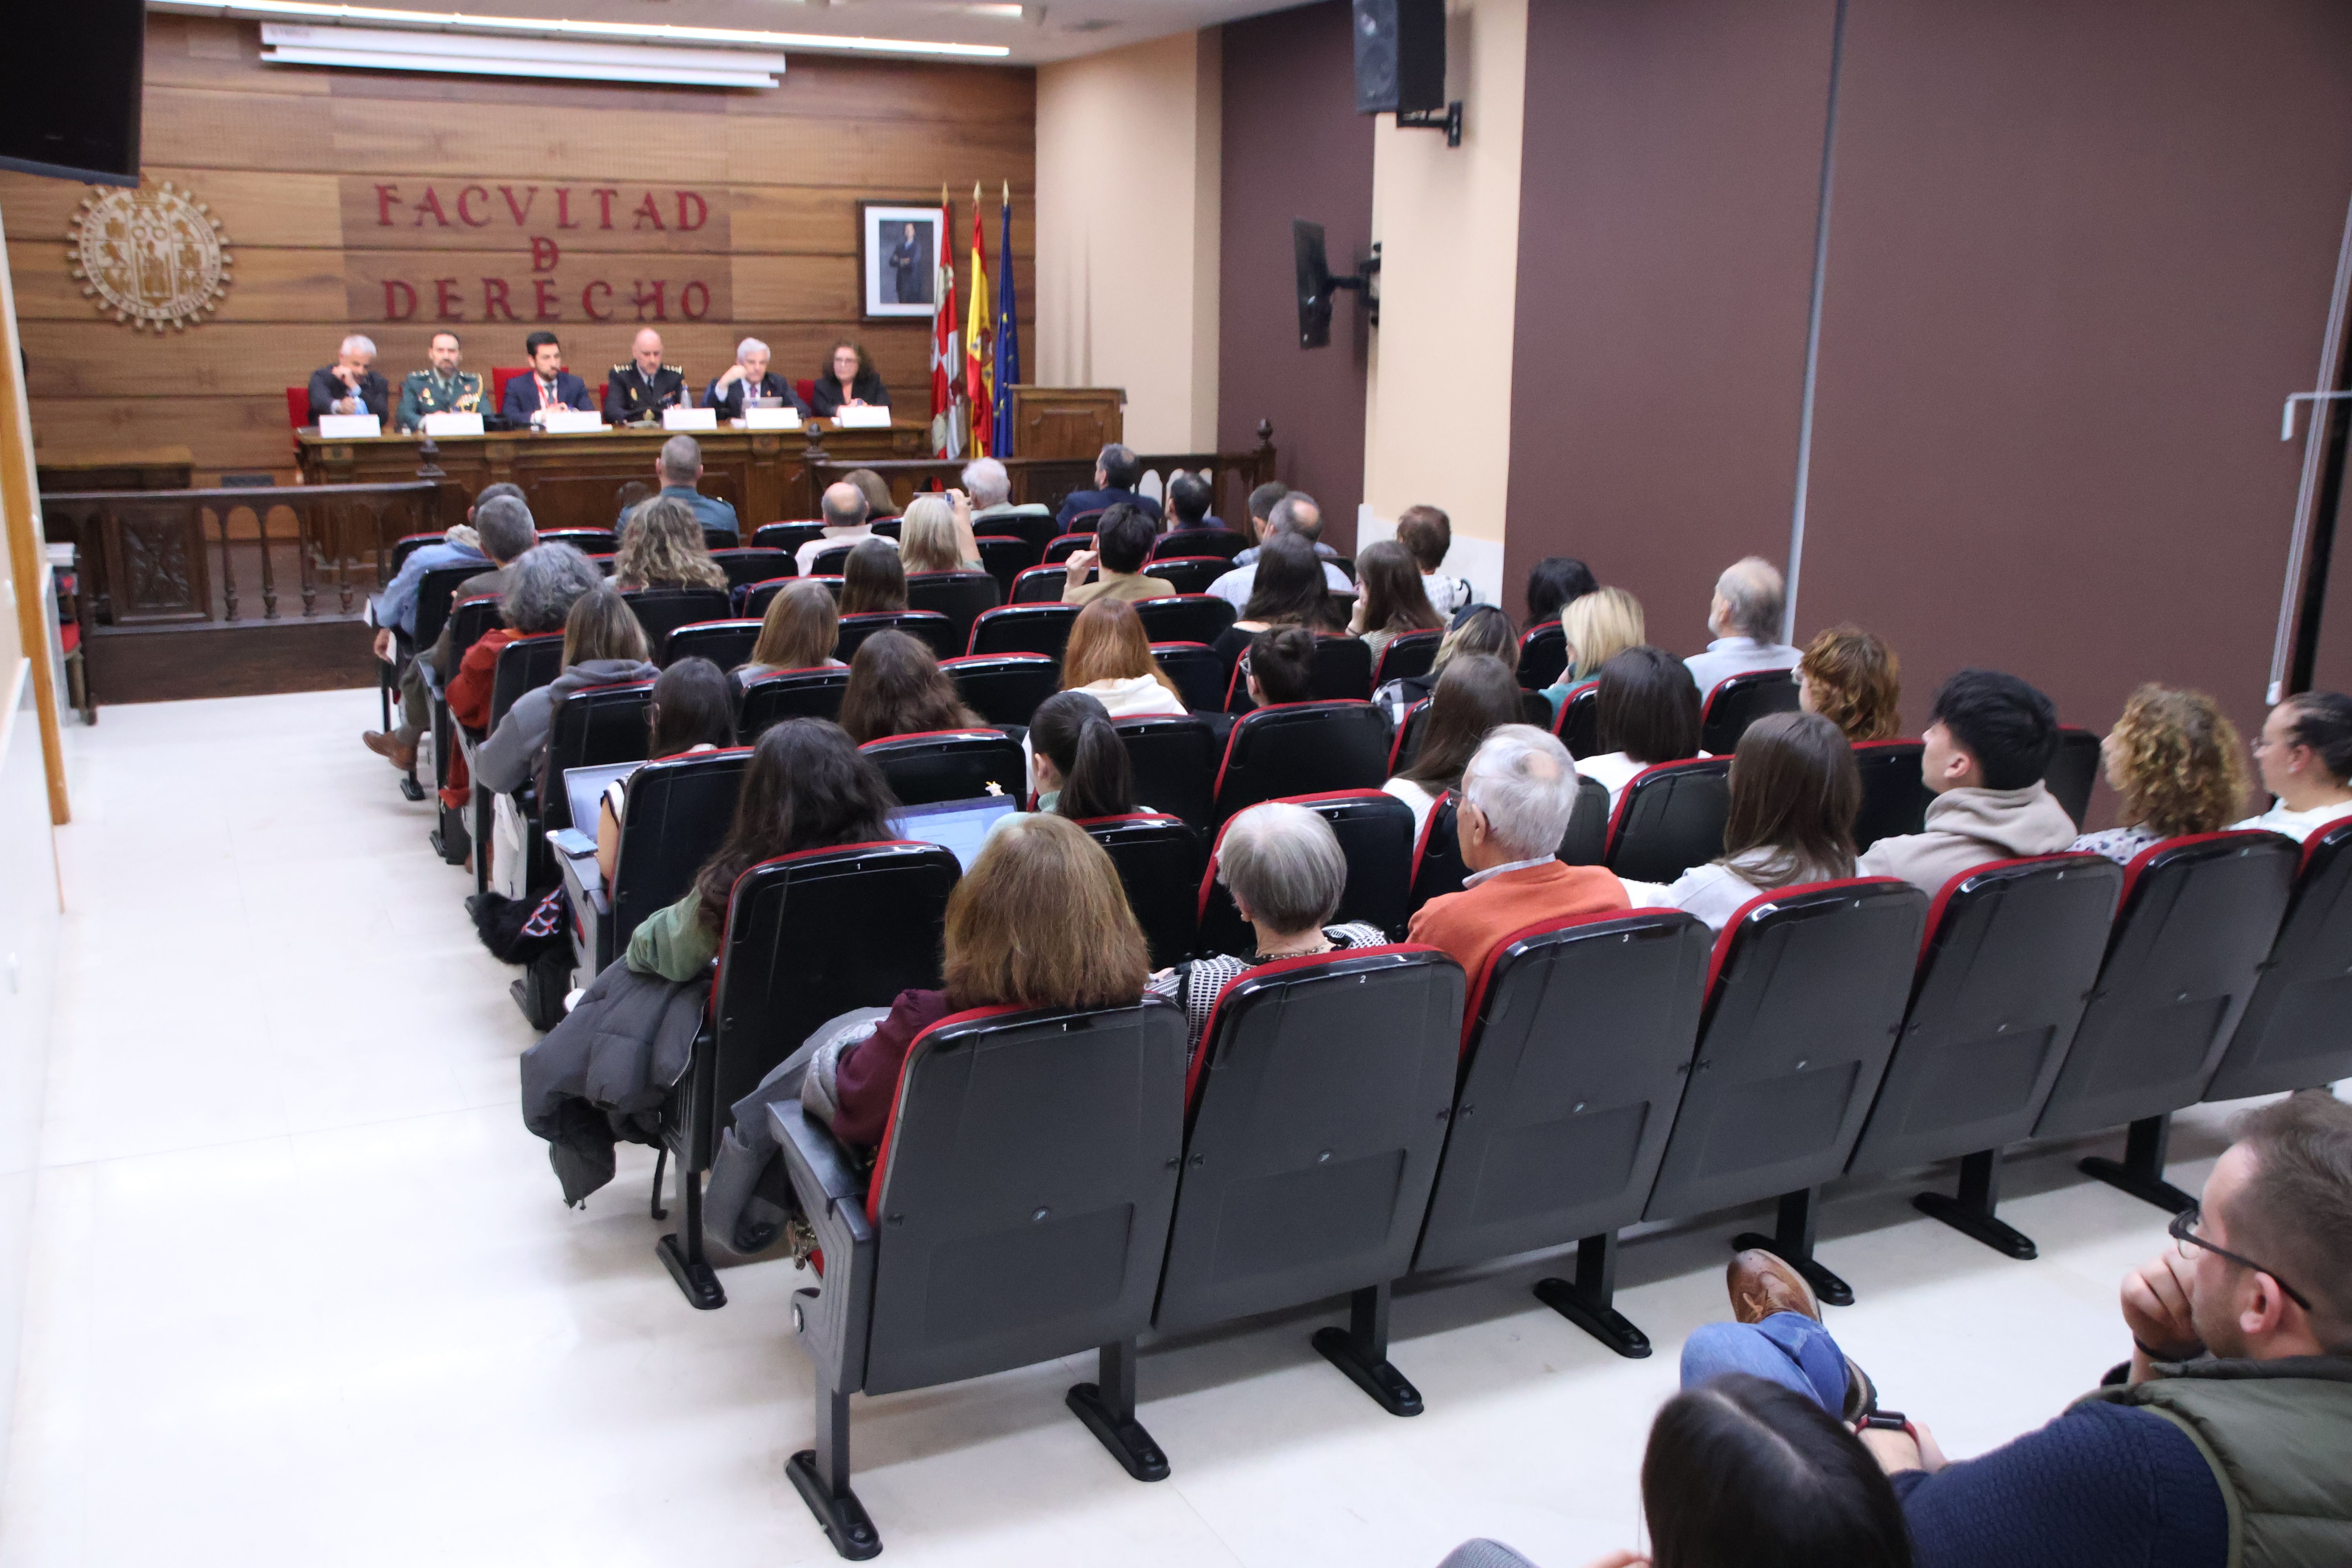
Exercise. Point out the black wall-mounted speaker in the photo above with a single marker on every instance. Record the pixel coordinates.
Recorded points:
(1400, 55)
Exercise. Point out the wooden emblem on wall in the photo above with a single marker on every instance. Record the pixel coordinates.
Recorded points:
(154, 256)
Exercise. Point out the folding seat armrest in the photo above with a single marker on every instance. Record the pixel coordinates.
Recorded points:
(833, 1195)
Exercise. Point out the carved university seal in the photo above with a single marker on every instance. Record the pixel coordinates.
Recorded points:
(151, 257)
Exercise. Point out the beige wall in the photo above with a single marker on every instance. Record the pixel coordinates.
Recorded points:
(1448, 222)
(1129, 160)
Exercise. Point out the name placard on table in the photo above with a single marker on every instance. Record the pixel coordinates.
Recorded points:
(572, 421)
(868, 418)
(770, 418)
(439, 424)
(689, 419)
(349, 426)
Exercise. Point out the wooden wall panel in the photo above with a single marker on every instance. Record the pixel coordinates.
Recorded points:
(289, 160)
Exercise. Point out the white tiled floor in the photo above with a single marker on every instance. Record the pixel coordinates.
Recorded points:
(303, 1290)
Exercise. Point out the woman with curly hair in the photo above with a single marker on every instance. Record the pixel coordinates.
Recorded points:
(661, 547)
(1852, 678)
(2179, 767)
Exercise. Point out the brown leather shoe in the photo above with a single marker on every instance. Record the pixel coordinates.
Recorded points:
(389, 748)
(1762, 1284)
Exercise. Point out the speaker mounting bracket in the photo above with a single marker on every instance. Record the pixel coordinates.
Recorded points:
(1363, 280)
(1431, 120)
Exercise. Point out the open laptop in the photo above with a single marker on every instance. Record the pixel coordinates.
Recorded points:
(582, 786)
(959, 826)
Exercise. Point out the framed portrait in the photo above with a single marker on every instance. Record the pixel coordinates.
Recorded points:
(898, 260)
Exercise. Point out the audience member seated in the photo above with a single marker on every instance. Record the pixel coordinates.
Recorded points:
(602, 644)
(543, 584)
(1990, 741)
(1852, 678)
(1189, 498)
(991, 489)
(877, 491)
(1261, 508)
(874, 579)
(1277, 666)
(680, 468)
(1110, 658)
(1475, 696)
(896, 688)
(1117, 472)
(1391, 599)
(1427, 535)
(1302, 517)
(807, 787)
(848, 381)
(1794, 794)
(846, 519)
(503, 530)
(662, 547)
(1294, 513)
(1517, 797)
(692, 711)
(2305, 755)
(1287, 591)
(1647, 712)
(1744, 617)
(1481, 628)
(1078, 763)
(1555, 582)
(1284, 867)
(936, 534)
(799, 631)
(2178, 766)
(1123, 537)
(1599, 625)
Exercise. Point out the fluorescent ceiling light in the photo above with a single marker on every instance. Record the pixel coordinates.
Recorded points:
(384, 49)
(554, 27)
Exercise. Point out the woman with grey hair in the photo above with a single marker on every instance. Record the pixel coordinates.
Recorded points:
(542, 586)
(1283, 866)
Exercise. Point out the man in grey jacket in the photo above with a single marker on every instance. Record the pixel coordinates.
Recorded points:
(1990, 737)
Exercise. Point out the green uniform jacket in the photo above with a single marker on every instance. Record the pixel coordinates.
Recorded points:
(422, 393)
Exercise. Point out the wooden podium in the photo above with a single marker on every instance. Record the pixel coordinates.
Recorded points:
(1066, 421)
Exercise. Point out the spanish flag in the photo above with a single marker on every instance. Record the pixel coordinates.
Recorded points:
(979, 363)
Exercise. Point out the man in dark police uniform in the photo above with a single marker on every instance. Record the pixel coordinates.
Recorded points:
(641, 389)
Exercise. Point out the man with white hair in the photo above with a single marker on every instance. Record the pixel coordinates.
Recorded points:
(1510, 814)
(679, 468)
(747, 378)
(1745, 616)
(639, 390)
(991, 489)
(352, 384)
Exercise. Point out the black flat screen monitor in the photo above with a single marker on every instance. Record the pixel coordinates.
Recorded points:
(1314, 283)
(70, 76)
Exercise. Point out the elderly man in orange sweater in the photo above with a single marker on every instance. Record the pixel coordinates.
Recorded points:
(1517, 797)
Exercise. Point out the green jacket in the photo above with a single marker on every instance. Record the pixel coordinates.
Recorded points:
(676, 943)
(2279, 1436)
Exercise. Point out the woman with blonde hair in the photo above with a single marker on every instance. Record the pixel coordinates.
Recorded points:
(2179, 765)
(661, 547)
(799, 631)
(1852, 678)
(1599, 627)
(1479, 629)
(874, 579)
(935, 534)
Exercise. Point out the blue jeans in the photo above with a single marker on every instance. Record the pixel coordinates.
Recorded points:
(1787, 1348)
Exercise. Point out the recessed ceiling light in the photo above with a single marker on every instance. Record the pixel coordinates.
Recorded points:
(535, 27)
(1002, 13)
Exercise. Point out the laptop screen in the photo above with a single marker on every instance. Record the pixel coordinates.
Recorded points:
(959, 826)
(583, 785)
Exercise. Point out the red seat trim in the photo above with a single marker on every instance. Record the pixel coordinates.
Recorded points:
(1192, 1074)
(2141, 861)
(1233, 738)
(898, 1098)
(997, 735)
(1625, 795)
(1421, 839)
(1477, 997)
(1944, 895)
(1732, 927)
(1209, 876)
(1404, 723)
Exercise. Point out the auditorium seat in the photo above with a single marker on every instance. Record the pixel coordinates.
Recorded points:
(806, 388)
(1586, 842)
(749, 564)
(1159, 861)
(1063, 546)
(1575, 1043)
(783, 694)
(435, 592)
(1023, 628)
(928, 626)
(661, 610)
(950, 764)
(2012, 949)
(298, 407)
(1805, 992)
(1340, 670)
(1005, 557)
(787, 537)
(1039, 585)
(1173, 759)
(1375, 834)
(587, 540)
(724, 643)
(887, 527)
(833, 559)
(1316, 1108)
(593, 727)
(1301, 748)
(1543, 654)
(1197, 543)
(2073, 769)
(1670, 818)
(1037, 531)
(1189, 573)
(1894, 797)
(960, 596)
(1437, 867)
(1198, 672)
(408, 544)
(679, 811)
(1028, 1177)
(499, 375)
(1003, 688)
(1408, 654)
(1185, 618)
(1404, 745)
(753, 598)
(451, 838)
(809, 936)
(1081, 523)
(2297, 1030)
(1739, 701)
(524, 665)
(714, 539)
(2199, 917)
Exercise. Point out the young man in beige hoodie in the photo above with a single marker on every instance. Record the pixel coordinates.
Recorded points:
(1990, 739)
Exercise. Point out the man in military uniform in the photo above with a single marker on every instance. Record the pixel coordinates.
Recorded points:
(443, 389)
(641, 389)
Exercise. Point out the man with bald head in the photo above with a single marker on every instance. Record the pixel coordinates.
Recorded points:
(679, 469)
(1744, 617)
(641, 388)
(845, 512)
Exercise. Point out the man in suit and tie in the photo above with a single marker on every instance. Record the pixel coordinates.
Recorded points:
(1117, 472)
(352, 384)
(549, 385)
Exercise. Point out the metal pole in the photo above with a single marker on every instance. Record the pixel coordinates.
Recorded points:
(1813, 331)
(2314, 454)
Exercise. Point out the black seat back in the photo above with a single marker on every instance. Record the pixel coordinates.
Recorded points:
(960, 596)
(1575, 1046)
(408, 544)
(1577, 722)
(1198, 672)
(434, 592)
(1340, 671)
(724, 643)
(2073, 770)
(1404, 745)
(1894, 798)
(524, 665)
(1039, 585)
(661, 611)
(833, 559)
(587, 540)
(2297, 1031)
(1004, 557)
(790, 694)
(2198, 920)
(593, 727)
(1220, 544)
(1189, 573)
(1159, 861)
(1301, 748)
(1003, 688)
(1061, 546)
(1670, 818)
(751, 564)
(1737, 701)
(1185, 618)
(679, 809)
(1023, 628)
(1407, 654)
(934, 630)
(950, 764)
(468, 621)
(1318, 1105)
(1174, 761)
(1586, 840)
(1022, 1198)
(753, 598)
(1375, 834)
(1543, 654)
(2012, 948)
(1437, 867)
(787, 537)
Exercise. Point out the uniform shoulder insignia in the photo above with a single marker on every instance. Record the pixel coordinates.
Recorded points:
(624, 367)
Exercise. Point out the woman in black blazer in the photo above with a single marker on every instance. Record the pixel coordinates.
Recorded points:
(847, 379)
